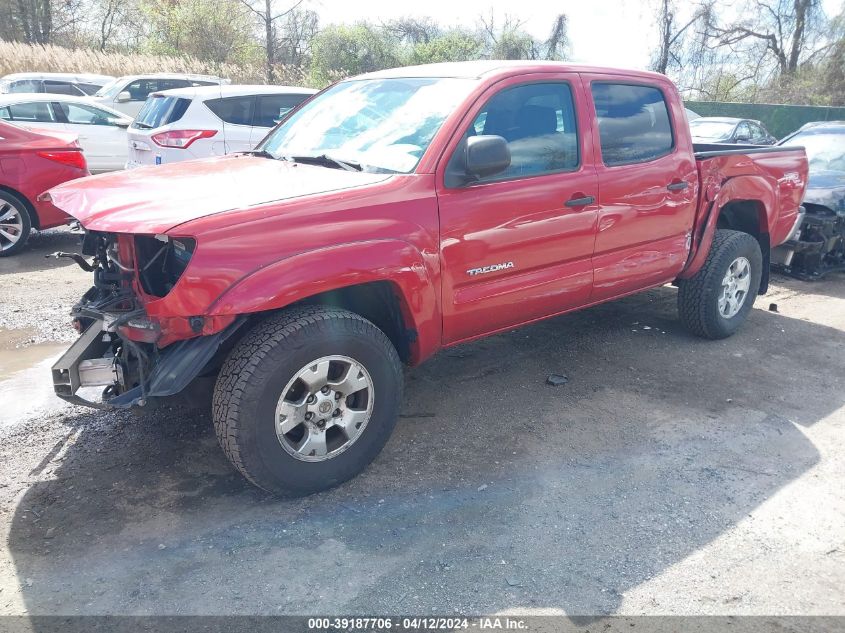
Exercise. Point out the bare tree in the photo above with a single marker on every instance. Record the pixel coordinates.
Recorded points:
(785, 30)
(294, 35)
(34, 19)
(268, 15)
(670, 52)
(414, 30)
(557, 46)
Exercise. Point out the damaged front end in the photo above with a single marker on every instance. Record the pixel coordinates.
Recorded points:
(123, 352)
(816, 246)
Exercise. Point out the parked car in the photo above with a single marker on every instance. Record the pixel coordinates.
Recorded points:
(691, 115)
(127, 94)
(31, 163)
(708, 129)
(55, 83)
(101, 131)
(817, 246)
(393, 215)
(189, 123)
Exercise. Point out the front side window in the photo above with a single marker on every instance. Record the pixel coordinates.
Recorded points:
(33, 112)
(233, 110)
(62, 88)
(272, 108)
(538, 122)
(385, 125)
(80, 114)
(633, 123)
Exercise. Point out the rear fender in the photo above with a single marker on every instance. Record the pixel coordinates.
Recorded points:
(740, 189)
(287, 281)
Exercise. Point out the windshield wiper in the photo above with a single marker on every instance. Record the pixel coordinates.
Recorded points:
(261, 153)
(326, 160)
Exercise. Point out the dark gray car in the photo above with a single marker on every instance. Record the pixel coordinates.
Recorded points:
(730, 130)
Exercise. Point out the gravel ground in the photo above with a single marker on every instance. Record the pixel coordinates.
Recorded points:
(669, 475)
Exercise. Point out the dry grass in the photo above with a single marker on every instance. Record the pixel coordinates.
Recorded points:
(16, 57)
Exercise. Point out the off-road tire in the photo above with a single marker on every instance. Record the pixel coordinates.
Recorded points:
(261, 364)
(698, 296)
(26, 222)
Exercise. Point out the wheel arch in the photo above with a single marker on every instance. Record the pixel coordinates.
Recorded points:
(30, 209)
(387, 282)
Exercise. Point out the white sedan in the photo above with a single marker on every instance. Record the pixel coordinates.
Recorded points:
(101, 130)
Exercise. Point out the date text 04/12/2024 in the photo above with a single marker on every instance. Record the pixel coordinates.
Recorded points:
(417, 623)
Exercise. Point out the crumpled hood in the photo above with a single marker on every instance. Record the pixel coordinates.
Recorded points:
(155, 199)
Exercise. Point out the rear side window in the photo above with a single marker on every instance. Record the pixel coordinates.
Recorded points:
(272, 108)
(158, 111)
(633, 123)
(233, 110)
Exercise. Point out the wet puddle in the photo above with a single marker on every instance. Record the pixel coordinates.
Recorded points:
(25, 384)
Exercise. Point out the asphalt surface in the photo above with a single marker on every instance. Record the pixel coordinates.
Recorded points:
(668, 475)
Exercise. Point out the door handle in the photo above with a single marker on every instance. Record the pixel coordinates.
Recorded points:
(580, 202)
(678, 186)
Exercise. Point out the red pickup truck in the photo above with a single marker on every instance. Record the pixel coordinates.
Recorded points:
(395, 214)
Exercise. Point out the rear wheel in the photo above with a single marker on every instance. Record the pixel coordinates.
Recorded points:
(717, 299)
(15, 224)
(307, 399)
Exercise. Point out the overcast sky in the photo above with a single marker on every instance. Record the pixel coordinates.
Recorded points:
(604, 32)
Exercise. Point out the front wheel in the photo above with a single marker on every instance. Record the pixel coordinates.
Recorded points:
(717, 299)
(307, 399)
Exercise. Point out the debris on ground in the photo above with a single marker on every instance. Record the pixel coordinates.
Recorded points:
(556, 380)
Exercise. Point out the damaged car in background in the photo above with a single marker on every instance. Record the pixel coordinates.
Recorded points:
(817, 244)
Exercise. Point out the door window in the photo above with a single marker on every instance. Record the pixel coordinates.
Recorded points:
(233, 110)
(79, 114)
(272, 108)
(140, 88)
(633, 123)
(33, 112)
(62, 88)
(538, 122)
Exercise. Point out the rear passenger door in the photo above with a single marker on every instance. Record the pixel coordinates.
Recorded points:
(647, 184)
(517, 246)
(236, 115)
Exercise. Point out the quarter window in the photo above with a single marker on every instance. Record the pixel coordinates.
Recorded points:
(538, 122)
(633, 123)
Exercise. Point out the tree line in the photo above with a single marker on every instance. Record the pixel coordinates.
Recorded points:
(731, 50)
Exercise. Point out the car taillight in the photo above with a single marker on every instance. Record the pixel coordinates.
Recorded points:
(181, 139)
(72, 158)
(141, 329)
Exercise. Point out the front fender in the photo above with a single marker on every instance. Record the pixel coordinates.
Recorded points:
(413, 275)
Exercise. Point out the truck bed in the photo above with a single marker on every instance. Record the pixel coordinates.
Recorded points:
(711, 150)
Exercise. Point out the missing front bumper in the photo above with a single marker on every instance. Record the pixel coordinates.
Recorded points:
(89, 363)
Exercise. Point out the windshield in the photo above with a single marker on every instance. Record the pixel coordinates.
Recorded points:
(384, 125)
(711, 129)
(110, 89)
(826, 152)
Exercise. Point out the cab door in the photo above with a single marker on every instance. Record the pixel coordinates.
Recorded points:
(647, 184)
(516, 246)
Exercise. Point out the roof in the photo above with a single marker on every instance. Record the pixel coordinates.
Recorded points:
(487, 67)
(80, 77)
(200, 92)
(823, 126)
(30, 97)
(172, 76)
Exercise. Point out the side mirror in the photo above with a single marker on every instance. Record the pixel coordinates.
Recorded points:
(120, 122)
(487, 155)
(123, 97)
